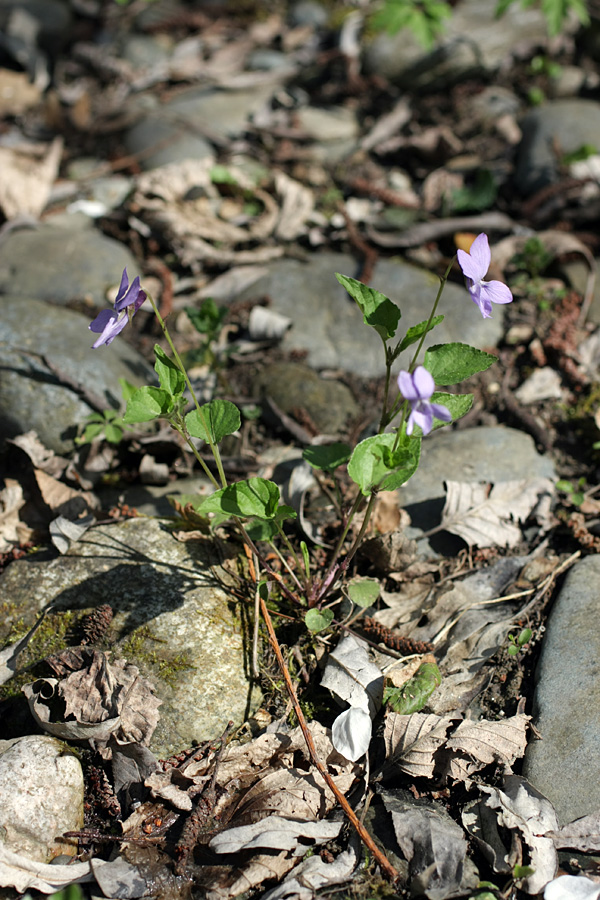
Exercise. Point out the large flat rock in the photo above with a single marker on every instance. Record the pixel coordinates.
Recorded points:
(173, 618)
(564, 764)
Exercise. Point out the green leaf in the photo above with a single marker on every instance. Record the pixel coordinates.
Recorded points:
(415, 333)
(261, 529)
(565, 486)
(477, 196)
(364, 591)
(368, 467)
(456, 404)
(113, 433)
(317, 620)
(214, 421)
(127, 389)
(169, 374)
(207, 319)
(452, 363)
(254, 497)
(221, 175)
(327, 456)
(413, 695)
(147, 403)
(378, 312)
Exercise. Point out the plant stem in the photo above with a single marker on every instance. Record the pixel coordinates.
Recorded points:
(213, 447)
(387, 868)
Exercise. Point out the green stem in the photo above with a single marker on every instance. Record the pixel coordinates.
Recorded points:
(443, 280)
(289, 546)
(340, 543)
(213, 447)
(363, 528)
(196, 453)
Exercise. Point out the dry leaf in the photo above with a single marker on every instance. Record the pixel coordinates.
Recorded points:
(8, 656)
(411, 742)
(434, 846)
(484, 515)
(24, 874)
(520, 807)
(485, 742)
(353, 676)
(62, 499)
(95, 700)
(27, 174)
(583, 834)
(276, 833)
(314, 874)
(11, 501)
(39, 454)
(297, 204)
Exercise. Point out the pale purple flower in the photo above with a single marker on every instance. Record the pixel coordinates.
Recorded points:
(111, 322)
(417, 388)
(475, 265)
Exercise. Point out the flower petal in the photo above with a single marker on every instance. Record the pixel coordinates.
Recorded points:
(423, 417)
(114, 326)
(497, 292)
(102, 320)
(122, 287)
(407, 387)
(441, 412)
(423, 382)
(481, 254)
(468, 266)
(131, 295)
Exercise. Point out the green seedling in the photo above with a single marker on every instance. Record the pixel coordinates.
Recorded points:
(517, 643)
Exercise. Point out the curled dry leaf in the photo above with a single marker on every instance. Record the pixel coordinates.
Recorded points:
(314, 874)
(11, 501)
(485, 515)
(275, 833)
(520, 807)
(484, 742)
(27, 173)
(8, 656)
(94, 700)
(25, 874)
(434, 846)
(41, 457)
(353, 676)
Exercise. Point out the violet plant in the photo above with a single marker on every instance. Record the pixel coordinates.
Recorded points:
(384, 461)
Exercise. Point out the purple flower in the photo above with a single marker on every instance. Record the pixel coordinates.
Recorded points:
(475, 265)
(111, 322)
(417, 389)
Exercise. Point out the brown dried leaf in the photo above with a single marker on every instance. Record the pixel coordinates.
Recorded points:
(411, 742)
(484, 515)
(485, 742)
(11, 501)
(41, 457)
(583, 834)
(97, 699)
(62, 499)
(26, 175)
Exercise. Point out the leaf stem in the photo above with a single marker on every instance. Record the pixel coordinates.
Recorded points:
(387, 868)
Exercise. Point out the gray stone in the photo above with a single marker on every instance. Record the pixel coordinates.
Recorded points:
(564, 764)
(294, 386)
(328, 324)
(41, 796)
(473, 43)
(60, 264)
(144, 50)
(308, 12)
(335, 131)
(31, 395)
(173, 619)
(489, 453)
(185, 125)
(54, 18)
(563, 124)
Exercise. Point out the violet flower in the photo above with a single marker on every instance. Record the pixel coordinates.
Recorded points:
(417, 389)
(111, 322)
(475, 265)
